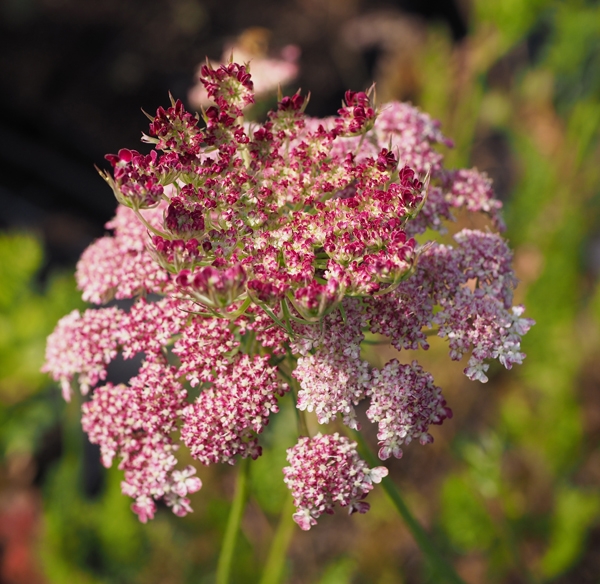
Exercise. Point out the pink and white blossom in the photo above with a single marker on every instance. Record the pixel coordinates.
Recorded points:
(254, 259)
(324, 471)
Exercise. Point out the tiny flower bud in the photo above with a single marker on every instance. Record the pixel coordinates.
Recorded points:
(223, 288)
(184, 219)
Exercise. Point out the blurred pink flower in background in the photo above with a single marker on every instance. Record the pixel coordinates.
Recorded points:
(268, 72)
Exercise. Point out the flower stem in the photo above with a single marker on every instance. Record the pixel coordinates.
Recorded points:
(273, 571)
(442, 569)
(233, 524)
(300, 416)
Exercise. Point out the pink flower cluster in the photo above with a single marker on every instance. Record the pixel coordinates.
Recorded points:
(135, 421)
(404, 403)
(332, 376)
(81, 347)
(325, 470)
(254, 250)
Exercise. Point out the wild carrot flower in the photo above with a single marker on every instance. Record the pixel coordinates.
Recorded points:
(251, 250)
(325, 470)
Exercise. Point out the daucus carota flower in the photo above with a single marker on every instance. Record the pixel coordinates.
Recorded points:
(325, 470)
(259, 255)
(404, 402)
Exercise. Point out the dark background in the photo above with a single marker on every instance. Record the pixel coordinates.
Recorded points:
(74, 76)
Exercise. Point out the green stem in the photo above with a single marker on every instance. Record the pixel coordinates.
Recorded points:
(233, 524)
(442, 569)
(275, 564)
(146, 224)
(300, 416)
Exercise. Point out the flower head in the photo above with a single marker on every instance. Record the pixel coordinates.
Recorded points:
(259, 255)
(325, 470)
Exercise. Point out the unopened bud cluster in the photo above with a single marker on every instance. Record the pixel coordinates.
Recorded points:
(254, 249)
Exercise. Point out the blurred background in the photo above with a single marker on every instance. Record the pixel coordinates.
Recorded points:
(510, 488)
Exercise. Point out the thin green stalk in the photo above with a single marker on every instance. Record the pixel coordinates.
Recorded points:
(442, 569)
(275, 564)
(300, 414)
(233, 524)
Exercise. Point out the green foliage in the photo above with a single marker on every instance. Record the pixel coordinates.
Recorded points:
(339, 572)
(20, 258)
(574, 53)
(82, 531)
(28, 313)
(266, 477)
(576, 512)
(464, 515)
(553, 125)
(513, 19)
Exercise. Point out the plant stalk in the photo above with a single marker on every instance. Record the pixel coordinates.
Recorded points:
(233, 524)
(443, 570)
(275, 564)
